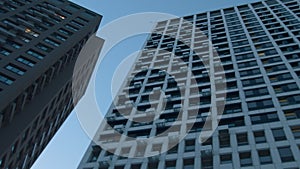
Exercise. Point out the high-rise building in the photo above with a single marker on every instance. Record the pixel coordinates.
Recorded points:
(40, 41)
(256, 47)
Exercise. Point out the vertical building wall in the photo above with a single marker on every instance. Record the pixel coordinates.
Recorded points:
(258, 46)
(40, 43)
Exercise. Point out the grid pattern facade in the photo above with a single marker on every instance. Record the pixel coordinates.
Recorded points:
(40, 41)
(258, 47)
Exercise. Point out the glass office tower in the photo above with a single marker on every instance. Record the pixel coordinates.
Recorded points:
(40, 41)
(258, 49)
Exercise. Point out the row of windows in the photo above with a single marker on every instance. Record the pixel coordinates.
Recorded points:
(15, 69)
(36, 54)
(16, 45)
(226, 60)
(4, 51)
(11, 5)
(216, 15)
(30, 23)
(31, 52)
(246, 82)
(255, 119)
(6, 80)
(245, 158)
(20, 71)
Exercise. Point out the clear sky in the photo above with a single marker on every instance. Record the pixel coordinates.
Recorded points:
(68, 146)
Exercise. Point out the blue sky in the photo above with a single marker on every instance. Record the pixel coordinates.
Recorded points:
(68, 146)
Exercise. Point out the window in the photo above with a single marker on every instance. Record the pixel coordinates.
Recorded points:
(15, 69)
(233, 122)
(206, 159)
(35, 54)
(226, 158)
(10, 7)
(6, 80)
(245, 159)
(249, 72)
(32, 33)
(292, 114)
(224, 138)
(260, 39)
(47, 23)
(260, 104)
(136, 166)
(264, 118)
(241, 49)
(51, 42)
(296, 131)
(235, 32)
(286, 88)
(290, 48)
(4, 52)
(77, 23)
(232, 108)
(171, 164)
(259, 137)
(54, 19)
(267, 53)
(265, 156)
(286, 154)
(26, 61)
(82, 20)
(271, 69)
(65, 32)
(280, 77)
(13, 44)
(152, 165)
(244, 42)
(234, 38)
(232, 96)
(242, 139)
(289, 100)
(262, 46)
(94, 154)
(173, 150)
(256, 92)
(252, 82)
(117, 167)
(247, 64)
(59, 37)
(44, 47)
(24, 39)
(71, 28)
(188, 163)
(60, 16)
(189, 145)
(278, 134)
(40, 28)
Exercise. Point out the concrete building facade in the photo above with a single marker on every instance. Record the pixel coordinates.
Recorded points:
(258, 48)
